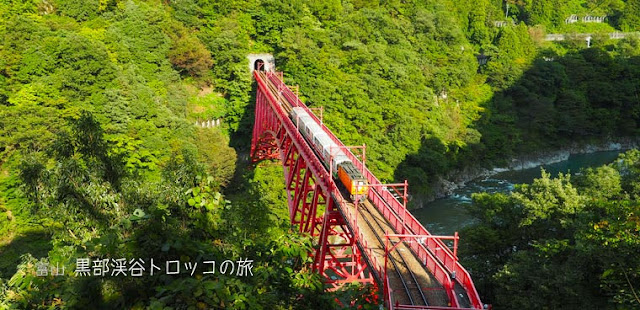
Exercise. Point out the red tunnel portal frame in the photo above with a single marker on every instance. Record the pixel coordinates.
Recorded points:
(316, 206)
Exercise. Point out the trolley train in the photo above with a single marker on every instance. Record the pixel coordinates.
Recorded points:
(330, 153)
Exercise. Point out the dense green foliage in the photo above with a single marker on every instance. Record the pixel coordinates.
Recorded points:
(99, 156)
(572, 95)
(569, 242)
(403, 78)
(100, 159)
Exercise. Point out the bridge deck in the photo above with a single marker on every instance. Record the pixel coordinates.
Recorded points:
(415, 271)
(410, 282)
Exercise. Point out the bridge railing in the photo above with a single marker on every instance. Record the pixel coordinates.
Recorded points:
(393, 210)
(431, 261)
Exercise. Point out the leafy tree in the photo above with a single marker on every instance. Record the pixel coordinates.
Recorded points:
(566, 242)
(630, 19)
(189, 54)
(78, 10)
(216, 155)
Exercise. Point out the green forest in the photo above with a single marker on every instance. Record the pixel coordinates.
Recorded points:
(100, 157)
(569, 242)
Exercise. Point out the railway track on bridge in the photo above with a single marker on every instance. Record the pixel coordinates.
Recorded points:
(377, 239)
(405, 270)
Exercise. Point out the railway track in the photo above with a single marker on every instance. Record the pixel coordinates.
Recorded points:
(412, 284)
(413, 295)
(286, 105)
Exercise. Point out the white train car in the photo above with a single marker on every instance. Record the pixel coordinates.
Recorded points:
(318, 138)
(331, 154)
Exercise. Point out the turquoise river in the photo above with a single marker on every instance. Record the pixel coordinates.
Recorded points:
(447, 215)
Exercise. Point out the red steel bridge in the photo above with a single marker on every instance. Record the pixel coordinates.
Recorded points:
(376, 241)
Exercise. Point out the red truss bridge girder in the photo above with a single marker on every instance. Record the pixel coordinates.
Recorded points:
(437, 257)
(317, 207)
(309, 188)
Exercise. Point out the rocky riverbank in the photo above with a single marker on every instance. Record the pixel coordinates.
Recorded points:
(444, 186)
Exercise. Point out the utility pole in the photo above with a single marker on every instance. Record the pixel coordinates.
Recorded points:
(514, 2)
(506, 15)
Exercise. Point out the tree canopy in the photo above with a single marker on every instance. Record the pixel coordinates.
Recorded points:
(100, 157)
(570, 242)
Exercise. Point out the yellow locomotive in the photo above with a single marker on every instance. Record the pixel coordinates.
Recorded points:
(352, 179)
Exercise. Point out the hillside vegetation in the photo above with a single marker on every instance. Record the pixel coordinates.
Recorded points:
(569, 242)
(100, 157)
(403, 78)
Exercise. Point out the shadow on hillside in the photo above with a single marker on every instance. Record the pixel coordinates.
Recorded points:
(241, 139)
(37, 244)
(246, 190)
(584, 96)
(241, 142)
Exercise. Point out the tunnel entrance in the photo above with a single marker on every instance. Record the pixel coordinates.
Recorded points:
(258, 65)
(262, 62)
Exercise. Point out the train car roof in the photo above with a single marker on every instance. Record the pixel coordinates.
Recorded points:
(318, 132)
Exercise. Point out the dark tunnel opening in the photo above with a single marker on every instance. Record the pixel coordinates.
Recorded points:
(258, 65)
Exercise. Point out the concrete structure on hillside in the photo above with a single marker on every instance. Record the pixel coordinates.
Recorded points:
(264, 62)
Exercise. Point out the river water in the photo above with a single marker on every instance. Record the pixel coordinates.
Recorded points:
(447, 215)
